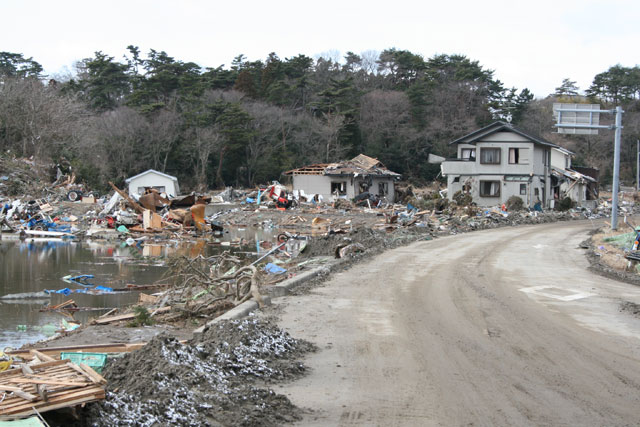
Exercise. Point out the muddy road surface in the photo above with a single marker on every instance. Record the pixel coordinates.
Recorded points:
(498, 327)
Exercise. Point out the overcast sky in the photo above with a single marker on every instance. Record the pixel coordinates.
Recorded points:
(531, 44)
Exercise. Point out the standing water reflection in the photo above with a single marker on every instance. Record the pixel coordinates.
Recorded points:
(33, 266)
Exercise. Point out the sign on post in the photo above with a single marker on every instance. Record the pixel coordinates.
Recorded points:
(586, 113)
(576, 116)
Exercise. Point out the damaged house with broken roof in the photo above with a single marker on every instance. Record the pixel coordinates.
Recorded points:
(500, 161)
(580, 184)
(346, 179)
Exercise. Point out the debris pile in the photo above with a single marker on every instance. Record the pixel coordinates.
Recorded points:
(206, 285)
(211, 380)
(46, 384)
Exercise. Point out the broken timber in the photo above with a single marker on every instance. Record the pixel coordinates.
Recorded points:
(42, 387)
(110, 319)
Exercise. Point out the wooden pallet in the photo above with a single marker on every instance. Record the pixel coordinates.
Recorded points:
(45, 386)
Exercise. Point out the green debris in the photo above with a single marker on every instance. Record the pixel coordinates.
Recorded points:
(143, 317)
(622, 241)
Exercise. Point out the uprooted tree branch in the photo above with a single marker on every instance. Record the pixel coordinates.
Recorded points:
(199, 283)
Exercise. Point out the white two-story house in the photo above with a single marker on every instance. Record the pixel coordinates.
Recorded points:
(500, 161)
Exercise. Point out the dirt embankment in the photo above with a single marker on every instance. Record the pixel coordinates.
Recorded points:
(609, 260)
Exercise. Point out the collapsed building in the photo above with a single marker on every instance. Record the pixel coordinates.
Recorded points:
(347, 179)
(578, 184)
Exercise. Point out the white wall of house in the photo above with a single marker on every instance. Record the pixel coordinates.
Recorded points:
(577, 192)
(529, 189)
(313, 184)
(160, 182)
(520, 172)
(387, 192)
(560, 159)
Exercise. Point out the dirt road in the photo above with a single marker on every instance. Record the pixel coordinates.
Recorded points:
(499, 327)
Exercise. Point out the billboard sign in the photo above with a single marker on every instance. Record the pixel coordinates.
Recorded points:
(589, 117)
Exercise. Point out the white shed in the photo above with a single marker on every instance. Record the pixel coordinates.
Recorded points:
(160, 181)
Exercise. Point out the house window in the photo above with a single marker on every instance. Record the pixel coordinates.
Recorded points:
(468, 153)
(383, 188)
(514, 156)
(490, 156)
(489, 188)
(339, 188)
(456, 179)
(523, 189)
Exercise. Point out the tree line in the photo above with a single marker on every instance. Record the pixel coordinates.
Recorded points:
(245, 124)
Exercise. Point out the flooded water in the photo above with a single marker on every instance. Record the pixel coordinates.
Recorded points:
(36, 265)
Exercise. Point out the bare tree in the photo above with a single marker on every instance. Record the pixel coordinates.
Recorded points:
(330, 131)
(204, 142)
(370, 60)
(120, 136)
(35, 119)
(164, 132)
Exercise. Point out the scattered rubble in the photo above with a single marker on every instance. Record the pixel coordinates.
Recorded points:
(218, 378)
(631, 308)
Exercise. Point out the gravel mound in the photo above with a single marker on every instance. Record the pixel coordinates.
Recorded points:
(216, 379)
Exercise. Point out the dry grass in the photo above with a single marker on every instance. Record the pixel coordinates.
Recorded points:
(609, 254)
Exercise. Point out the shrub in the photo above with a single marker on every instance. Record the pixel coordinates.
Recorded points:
(143, 317)
(462, 199)
(565, 204)
(515, 203)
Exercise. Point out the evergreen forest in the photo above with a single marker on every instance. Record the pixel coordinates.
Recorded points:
(244, 124)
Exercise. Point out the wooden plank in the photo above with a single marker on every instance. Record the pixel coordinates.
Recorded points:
(90, 348)
(108, 313)
(54, 393)
(62, 304)
(76, 368)
(53, 407)
(43, 357)
(40, 380)
(69, 399)
(139, 209)
(105, 320)
(95, 377)
(19, 392)
(47, 364)
(21, 405)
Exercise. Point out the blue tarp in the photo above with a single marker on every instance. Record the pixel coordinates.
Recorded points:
(274, 269)
(67, 291)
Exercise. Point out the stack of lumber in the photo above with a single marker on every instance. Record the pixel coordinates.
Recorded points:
(54, 352)
(47, 385)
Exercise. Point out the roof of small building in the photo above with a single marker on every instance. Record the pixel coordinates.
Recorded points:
(359, 165)
(173, 178)
(499, 126)
(564, 151)
(571, 174)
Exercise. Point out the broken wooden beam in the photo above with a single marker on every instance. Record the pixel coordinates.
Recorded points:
(139, 209)
(129, 316)
(19, 392)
